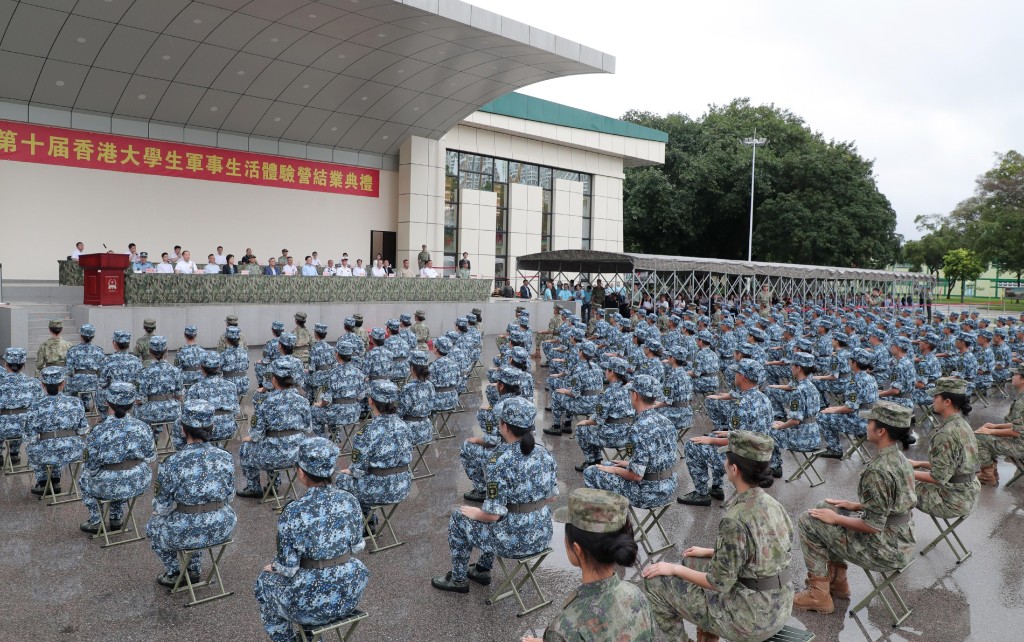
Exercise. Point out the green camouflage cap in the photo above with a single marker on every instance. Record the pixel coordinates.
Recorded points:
(889, 413)
(752, 445)
(300, 316)
(56, 324)
(357, 317)
(149, 324)
(231, 319)
(594, 511)
(1019, 370)
(950, 385)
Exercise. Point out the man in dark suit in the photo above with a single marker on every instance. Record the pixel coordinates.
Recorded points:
(271, 269)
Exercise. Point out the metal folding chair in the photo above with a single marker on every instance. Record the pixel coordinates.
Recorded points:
(512, 586)
(805, 466)
(386, 513)
(1019, 463)
(342, 628)
(646, 527)
(419, 460)
(270, 493)
(128, 525)
(857, 447)
(881, 583)
(213, 577)
(946, 531)
(789, 634)
(342, 435)
(9, 467)
(67, 496)
(163, 439)
(444, 430)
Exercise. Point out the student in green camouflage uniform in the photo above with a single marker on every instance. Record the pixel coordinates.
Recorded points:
(946, 485)
(598, 538)
(53, 351)
(881, 538)
(421, 330)
(142, 343)
(740, 589)
(1002, 439)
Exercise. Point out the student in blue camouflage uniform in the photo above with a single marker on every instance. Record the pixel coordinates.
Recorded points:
(1002, 357)
(677, 391)
(719, 407)
(159, 388)
(322, 359)
(270, 350)
(835, 379)
(646, 476)
(406, 331)
(797, 429)
(379, 361)
(121, 365)
(192, 495)
(476, 451)
(235, 361)
(341, 402)
(381, 453)
(580, 392)
(706, 365)
(399, 349)
(613, 415)
(118, 451)
(727, 341)
(314, 579)
(650, 363)
(279, 425)
(861, 394)
(189, 358)
(929, 369)
(416, 402)
(219, 392)
(878, 344)
(446, 375)
(288, 361)
(514, 520)
(54, 430)
(752, 411)
(18, 392)
(780, 354)
(83, 364)
(904, 375)
(352, 335)
(986, 361)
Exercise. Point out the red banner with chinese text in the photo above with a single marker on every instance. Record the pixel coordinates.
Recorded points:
(30, 143)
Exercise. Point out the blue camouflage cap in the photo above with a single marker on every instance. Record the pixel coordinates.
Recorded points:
(752, 370)
(903, 343)
(345, 347)
(1003, 332)
(350, 322)
(418, 358)
(706, 337)
(589, 349)
(618, 365)
(87, 330)
(969, 338)
(320, 328)
(190, 331)
(678, 352)
(805, 345)
(393, 324)
(461, 322)
(626, 324)
(471, 318)
(318, 456)
(524, 321)
(378, 334)
(841, 338)
(288, 339)
(689, 326)
(121, 393)
(196, 413)
(158, 343)
(517, 336)
(508, 376)
(234, 333)
(518, 412)
(53, 375)
(212, 360)
(405, 318)
(864, 357)
(653, 345)
(383, 392)
(932, 339)
(726, 321)
(645, 386)
(443, 345)
(803, 359)
(280, 369)
(122, 336)
(746, 349)
(520, 355)
(758, 334)
(277, 325)
(453, 336)
(986, 333)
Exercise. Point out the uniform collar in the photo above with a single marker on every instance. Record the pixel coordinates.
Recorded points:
(600, 586)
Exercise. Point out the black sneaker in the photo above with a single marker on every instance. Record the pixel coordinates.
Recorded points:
(250, 492)
(446, 583)
(554, 430)
(716, 492)
(830, 454)
(567, 428)
(15, 459)
(89, 527)
(777, 472)
(581, 467)
(170, 579)
(115, 525)
(481, 576)
(692, 498)
(474, 496)
(39, 488)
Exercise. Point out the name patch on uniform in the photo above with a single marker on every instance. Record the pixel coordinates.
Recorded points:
(356, 455)
(852, 397)
(735, 421)
(794, 404)
(668, 391)
(630, 449)
(492, 490)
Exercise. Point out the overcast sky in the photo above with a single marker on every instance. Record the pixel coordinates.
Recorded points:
(929, 90)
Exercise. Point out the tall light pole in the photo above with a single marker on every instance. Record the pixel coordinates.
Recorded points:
(754, 143)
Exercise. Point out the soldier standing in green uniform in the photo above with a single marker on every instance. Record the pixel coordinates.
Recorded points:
(881, 536)
(598, 538)
(946, 485)
(142, 343)
(363, 335)
(53, 351)
(222, 344)
(1002, 439)
(740, 589)
(423, 257)
(764, 299)
(421, 330)
(303, 339)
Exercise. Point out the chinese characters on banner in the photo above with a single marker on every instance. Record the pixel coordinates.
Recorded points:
(29, 143)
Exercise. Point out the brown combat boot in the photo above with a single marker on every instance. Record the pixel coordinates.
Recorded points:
(704, 636)
(816, 597)
(838, 586)
(989, 475)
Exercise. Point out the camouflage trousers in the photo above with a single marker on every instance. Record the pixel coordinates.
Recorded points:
(738, 614)
(803, 438)
(704, 463)
(641, 494)
(593, 439)
(947, 500)
(171, 533)
(777, 374)
(780, 401)
(823, 543)
(516, 535)
(474, 460)
(54, 452)
(990, 448)
(832, 425)
(719, 412)
(563, 407)
(311, 598)
(117, 486)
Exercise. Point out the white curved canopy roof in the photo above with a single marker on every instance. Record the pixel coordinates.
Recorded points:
(359, 75)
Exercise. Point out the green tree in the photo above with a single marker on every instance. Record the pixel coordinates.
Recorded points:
(931, 248)
(961, 265)
(816, 200)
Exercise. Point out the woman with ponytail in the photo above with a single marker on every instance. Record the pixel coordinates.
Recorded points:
(740, 589)
(946, 485)
(514, 521)
(598, 539)
(876, 533)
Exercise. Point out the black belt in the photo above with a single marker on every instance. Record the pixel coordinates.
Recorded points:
(618, 420)
(659, 475)
(13, 411)
(346, 400)
(90, 371)
(445, 389)
(325, 366)
(127, 464)
(961, 478)
(192, 509)
(399, 359)
(680, 404)
(381, 378)
(765, 583)
(283, 433)
(384, 472)
(309, 564)
(897, 519)
(161, 398)
(223, 412)
(591, 393)
(190, 368)
(414, 418)
(56, 434)
(809, 420)
(526, 508)
(234, 374)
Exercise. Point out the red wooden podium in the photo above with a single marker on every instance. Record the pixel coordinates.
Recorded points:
(104, 278)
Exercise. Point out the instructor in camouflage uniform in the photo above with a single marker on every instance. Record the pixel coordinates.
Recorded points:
(53, 351)
(1002, 439)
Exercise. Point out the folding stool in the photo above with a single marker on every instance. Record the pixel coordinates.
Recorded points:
(343, 628)
(184, 556)
(512, 586)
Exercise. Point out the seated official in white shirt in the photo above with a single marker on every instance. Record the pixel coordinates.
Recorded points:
(316, 260)
(164, 266)
(176, 254)
(330, 270)
(185, 264)
(133, 253)
(344, 269)
(359, 270)
(289, 268)
(378, 269)
(211, 265)
(78, 251)
(308, 269)
(219, 258)
(428, 271)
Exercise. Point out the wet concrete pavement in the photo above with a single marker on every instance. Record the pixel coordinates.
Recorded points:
(59, 585)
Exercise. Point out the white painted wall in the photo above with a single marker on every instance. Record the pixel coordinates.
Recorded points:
(477, 223)
(525, 204)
